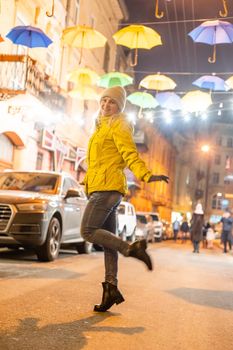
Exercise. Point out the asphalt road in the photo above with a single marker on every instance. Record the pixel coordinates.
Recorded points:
(186, 303)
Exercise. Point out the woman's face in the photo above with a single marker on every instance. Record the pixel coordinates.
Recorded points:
(108, 106)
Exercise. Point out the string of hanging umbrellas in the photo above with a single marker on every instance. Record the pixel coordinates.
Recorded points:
(134, 37)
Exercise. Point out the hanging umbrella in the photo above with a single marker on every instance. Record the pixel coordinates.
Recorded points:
(211, 82)
(115, 79)
(84, 93)
(83, 76)
(229, 82)
(1, 39)
(169, 100)
(29, 36)
(83, 37)
(195, 101)
(137, 37)
(213, 33)
(158, 82)
(142, 99)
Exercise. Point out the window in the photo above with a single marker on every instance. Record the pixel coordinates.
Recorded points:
(6, 148)
(216, 202)
(74, 11)
(229, 142)
(215, 178)
(39, 161)
(217, 159)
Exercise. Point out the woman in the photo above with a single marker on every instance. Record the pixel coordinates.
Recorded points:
(227, 226)
(197, 224)
(111, 148)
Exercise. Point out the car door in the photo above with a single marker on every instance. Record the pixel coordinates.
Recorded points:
(71, 213)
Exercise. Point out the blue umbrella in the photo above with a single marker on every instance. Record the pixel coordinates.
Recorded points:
(169, 100)
(211, 82)
(29, 36)
(212, 33)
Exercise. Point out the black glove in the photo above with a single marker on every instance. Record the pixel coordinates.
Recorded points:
(159, 178)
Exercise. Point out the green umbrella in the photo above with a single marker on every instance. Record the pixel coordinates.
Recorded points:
(115, 79)
(143, 100)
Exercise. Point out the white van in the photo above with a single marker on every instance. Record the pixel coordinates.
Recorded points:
(126, 221)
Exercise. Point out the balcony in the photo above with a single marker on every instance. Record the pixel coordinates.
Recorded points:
(20, 74)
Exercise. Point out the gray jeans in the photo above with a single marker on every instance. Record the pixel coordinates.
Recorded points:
(99, 227)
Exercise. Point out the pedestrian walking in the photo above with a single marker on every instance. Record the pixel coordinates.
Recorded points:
(184, 229)
(176, 228)
(111, 148)
(204, 234)
(227, 225)
(197, 223)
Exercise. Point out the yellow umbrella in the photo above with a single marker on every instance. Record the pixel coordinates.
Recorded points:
(196, 101)
(83, 37)
(158, 82)
(83, 76)
(137, 37)
(229, 82)
(84, 93)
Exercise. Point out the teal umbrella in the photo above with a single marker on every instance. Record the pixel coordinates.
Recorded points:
(115, 79)
(143, 100)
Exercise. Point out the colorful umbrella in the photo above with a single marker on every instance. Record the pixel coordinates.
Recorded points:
(211, 82)
(213, 33)
(29, 36)
(1, 39)
(196, 101)
(115, 79)
(83, 76)
(142, 99)
(158, 82)
(169, 100)
(83, 37)
(137, 37)
(84, 93)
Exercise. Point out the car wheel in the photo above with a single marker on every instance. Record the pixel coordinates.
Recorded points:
(84, 247)
(50, 249)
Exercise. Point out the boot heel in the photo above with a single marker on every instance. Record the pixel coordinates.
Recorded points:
(120, 299)
(143, 244)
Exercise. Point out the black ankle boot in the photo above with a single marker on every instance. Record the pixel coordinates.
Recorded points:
(138, 250)
(111, 295)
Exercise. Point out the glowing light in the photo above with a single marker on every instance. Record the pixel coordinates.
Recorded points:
(205, 148)
(219, 112)
(204, 116)
(131, 117)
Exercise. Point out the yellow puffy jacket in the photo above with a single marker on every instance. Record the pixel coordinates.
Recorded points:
(111, 149)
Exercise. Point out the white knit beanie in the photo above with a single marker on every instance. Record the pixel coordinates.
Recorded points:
(198, 209)
(118, 94)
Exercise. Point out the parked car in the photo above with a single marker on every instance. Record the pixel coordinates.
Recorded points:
(141, 228)
(154, 226)
(126, 221)
(41, 210)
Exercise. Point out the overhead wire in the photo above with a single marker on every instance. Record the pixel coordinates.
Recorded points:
(178, 37)
(172, 45)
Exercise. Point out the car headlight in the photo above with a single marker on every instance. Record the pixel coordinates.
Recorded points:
(32, 207)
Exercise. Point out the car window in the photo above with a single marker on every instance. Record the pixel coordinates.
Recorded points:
(35, 182)
(76, 185)
(121, 209)
(155, 217)
(142, 219)
(67, 184)
(130, 210)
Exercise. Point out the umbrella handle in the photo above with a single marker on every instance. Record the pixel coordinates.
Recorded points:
(225, 13)
(157, 14)
(52, 13)
(140, 113)
(133, 64)
(213, 58)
